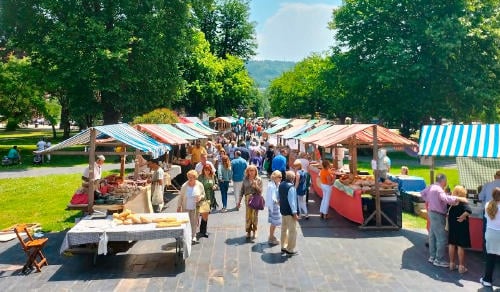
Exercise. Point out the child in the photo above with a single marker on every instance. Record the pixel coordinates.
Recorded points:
(458, 235)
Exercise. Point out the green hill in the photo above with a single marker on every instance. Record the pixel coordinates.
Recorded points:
(265, 71)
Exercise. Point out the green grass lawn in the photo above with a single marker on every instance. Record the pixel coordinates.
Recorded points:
(38, 200)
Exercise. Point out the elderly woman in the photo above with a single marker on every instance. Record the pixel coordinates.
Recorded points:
(192, 192)
(252, 184)
(272, 204)
(208, 179)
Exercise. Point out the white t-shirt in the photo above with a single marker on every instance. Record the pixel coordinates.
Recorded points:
(97, 171)
(40, 145)
(190, 198)
(495, 222)
(199, 167)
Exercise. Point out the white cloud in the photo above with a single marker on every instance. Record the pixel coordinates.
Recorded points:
(295, 31)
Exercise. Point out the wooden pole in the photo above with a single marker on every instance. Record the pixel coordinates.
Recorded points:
(378, 217)
(354, 156)
(432, 170)
(91, 169)
(122, 162)
(136, 165)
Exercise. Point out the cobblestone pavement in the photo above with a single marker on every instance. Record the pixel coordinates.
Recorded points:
(334, 256)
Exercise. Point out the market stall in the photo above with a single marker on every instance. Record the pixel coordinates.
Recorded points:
(100, 235)
(224, 124)
(477, 161)
(348, 200)
(120, 140)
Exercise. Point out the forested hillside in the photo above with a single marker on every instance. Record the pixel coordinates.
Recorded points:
(265, 71)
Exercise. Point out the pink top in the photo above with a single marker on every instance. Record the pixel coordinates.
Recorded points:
(437, 199)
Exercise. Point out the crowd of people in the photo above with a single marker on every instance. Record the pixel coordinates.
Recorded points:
(448, 214)
(244, 162)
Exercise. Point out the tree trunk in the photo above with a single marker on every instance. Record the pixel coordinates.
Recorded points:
(111, 114)
(64, 124)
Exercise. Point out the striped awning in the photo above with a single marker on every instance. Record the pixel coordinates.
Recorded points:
(161, 134)
(363, 134)
(190, 131)
(313, 131)
(177, 131)
(196, 127)
(280, 121)
(119, 132)
(297, 130)
(275, 129)
(460, 140)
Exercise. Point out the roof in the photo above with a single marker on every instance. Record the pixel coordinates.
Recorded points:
(297, 129)
(206, 128)
(321, 134)
(460, 140)
(196, 127)
(161, 134)
(279, 121)
(313, 131)
(177, 131)
(119, 132)
(190, 131)
(275, 128)
(193, 120)
(229, 120)
(363, 135)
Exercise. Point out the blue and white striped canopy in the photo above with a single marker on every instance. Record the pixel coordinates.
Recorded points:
(120, 132)
(460, 141)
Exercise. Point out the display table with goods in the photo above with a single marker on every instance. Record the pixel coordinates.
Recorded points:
(115, 194)
(349, 194)
(102, 235)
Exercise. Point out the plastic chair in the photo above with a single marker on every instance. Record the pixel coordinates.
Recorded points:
(33, 249)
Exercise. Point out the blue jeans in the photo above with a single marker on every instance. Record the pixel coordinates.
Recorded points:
(224, 186)
(438, 239)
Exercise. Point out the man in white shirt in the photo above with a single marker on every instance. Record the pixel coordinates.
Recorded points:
(97, 169)
(204, 160)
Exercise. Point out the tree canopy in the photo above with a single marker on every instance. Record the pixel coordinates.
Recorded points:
(408, 61)
(117, 58)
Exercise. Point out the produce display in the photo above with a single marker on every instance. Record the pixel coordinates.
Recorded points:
(366, 183)
(127, 217)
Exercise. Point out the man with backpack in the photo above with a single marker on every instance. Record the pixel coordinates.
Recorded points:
(300, 186)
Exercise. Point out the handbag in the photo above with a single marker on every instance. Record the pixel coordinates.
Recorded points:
(256, 202)
(447, 225)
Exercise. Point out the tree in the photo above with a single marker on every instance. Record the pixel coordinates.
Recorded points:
(157, 116)
(226, 26)
(238, 88)
(20, 98)
(407, 61)
(200, 72)
(303, 90)
(120, 57)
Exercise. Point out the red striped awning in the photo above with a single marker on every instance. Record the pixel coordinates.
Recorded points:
(161, 134)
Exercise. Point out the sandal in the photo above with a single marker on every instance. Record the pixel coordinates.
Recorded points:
(453, 266)
(462, 269)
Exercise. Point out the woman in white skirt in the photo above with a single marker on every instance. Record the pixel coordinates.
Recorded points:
(326, 176)
(273, 206)
(492, 237)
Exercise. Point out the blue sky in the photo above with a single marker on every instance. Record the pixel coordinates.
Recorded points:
(291, 30)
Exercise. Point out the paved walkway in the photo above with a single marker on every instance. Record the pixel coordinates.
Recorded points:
(334, 256)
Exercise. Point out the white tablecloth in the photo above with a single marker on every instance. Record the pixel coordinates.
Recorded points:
(101, 231)
(174, 170)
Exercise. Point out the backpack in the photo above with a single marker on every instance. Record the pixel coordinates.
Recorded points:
(301, 188)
